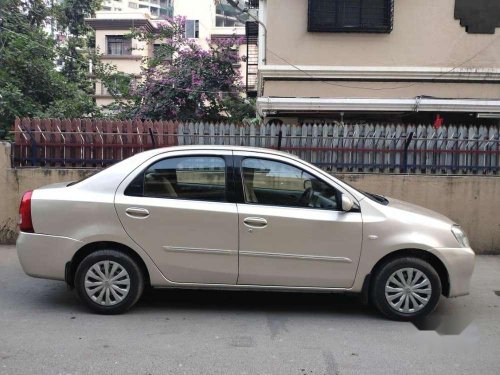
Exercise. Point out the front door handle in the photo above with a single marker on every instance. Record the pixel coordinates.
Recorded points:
(255, 222)
(137, 212)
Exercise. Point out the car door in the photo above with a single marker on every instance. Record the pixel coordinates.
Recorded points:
(292, 229)
(177, 209)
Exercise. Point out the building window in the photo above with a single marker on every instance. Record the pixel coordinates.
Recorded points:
(369, 16)
(118, 45)
(169, 12)
(133, 5)
(162, 52)
(227, 16)
(192, 29)
(154, 11)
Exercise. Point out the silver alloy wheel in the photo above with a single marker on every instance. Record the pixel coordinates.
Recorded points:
(107, 283)
(408, 290)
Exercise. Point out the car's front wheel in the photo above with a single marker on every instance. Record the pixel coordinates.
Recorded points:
(406, 288)
(109, 281)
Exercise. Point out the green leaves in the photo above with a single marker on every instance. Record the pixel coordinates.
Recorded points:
(31, 84)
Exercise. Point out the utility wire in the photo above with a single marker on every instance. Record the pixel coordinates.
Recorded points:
(364, 87)
(305, 72)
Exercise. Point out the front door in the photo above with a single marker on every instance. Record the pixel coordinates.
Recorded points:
(177, 210)
(292, 230)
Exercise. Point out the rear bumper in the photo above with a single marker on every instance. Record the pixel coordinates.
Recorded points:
(460, 264)
(45, 256)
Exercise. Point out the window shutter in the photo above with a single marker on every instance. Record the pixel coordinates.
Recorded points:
(370, 16)
(190, 28)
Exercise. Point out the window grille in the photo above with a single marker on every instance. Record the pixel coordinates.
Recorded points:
(369, 16)
(118, 45)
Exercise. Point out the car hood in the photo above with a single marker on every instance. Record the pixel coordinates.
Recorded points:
(415, 210)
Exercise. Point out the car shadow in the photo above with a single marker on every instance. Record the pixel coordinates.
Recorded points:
(449, 318)
(254, 301)
(55, 296)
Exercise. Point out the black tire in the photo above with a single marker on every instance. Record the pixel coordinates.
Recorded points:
(383, 274)
(135, 274)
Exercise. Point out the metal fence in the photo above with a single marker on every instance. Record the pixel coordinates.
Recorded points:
(389, 148)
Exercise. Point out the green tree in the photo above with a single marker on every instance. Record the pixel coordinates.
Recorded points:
(76, 48)
(30, 84)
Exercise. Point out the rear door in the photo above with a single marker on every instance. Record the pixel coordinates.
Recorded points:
(292, 230)
(178, 210)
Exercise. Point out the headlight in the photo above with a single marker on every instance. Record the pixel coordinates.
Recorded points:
(460, 236)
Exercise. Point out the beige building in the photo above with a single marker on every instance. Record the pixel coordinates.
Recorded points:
(205, 20)
(127, 55)
(380, 59)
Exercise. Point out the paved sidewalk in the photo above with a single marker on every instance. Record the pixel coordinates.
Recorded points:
(45, 330)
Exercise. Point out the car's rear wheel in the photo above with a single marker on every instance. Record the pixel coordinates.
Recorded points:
(109, 282)
(406, 288)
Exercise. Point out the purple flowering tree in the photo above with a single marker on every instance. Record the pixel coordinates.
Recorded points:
(186, 82)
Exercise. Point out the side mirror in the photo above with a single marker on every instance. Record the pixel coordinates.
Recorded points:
(347, 203)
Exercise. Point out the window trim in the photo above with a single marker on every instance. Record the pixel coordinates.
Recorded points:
(229, 176)
(239, 185)
(386, 29)
(125, 42)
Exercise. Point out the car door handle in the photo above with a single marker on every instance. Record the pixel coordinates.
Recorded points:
(137, 212)
(255, 222)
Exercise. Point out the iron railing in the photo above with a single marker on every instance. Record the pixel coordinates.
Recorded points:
(369, 148)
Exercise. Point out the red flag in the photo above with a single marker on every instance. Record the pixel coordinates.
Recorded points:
(438, 122)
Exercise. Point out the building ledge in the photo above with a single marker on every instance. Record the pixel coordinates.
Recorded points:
(121, 57)
(113, 21)
(377, 73)
(270, 106)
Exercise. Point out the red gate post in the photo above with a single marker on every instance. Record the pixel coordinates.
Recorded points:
(127, 138)
(108, 142)
(19, 142)
(86, 129)
(77, 155)
(98, 144)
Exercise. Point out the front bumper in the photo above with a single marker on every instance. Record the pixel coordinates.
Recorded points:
(45, 256)
(459, 263)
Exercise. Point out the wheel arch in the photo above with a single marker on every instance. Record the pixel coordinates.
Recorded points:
(103, 245)
(432, 259)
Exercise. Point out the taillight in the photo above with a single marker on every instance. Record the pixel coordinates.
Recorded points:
(25, 223)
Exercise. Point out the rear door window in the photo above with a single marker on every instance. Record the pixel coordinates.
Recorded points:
(186, 177)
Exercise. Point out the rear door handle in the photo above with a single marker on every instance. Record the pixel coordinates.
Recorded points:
(255, 222)
(137, 212)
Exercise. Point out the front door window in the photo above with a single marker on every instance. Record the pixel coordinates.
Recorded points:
(275, 183)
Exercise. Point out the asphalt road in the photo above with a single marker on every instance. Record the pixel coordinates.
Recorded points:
(45, 330)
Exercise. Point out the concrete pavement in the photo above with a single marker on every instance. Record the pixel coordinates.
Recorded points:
(44, 329)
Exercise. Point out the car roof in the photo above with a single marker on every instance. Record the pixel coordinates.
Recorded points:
(226, 148)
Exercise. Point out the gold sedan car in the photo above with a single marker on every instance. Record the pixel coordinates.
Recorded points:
(238, 218)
